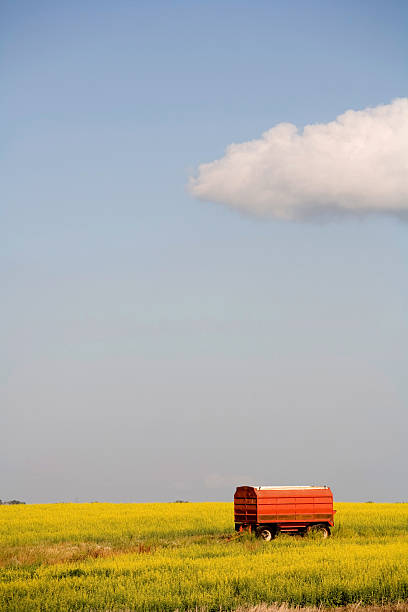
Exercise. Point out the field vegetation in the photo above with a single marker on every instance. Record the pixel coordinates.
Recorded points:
(62, 557)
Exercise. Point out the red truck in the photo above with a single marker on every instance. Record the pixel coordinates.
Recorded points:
(271, 510)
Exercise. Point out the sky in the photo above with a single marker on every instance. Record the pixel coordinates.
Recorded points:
(159, 343)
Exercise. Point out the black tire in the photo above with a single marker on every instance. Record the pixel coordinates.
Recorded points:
(265, 533)
(320, 530)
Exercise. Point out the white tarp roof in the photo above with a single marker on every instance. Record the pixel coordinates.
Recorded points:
(291, 487)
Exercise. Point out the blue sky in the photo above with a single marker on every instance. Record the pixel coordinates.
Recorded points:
(158, 347)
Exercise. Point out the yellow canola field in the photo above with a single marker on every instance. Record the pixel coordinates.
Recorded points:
(66, 557)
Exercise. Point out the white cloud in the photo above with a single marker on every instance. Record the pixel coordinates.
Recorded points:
(356, 164)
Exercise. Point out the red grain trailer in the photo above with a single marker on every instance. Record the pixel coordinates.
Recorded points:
(270, 510)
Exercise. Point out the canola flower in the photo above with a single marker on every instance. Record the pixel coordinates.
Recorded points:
(166, 556)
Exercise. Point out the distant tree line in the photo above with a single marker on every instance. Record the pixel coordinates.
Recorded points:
(11, 502)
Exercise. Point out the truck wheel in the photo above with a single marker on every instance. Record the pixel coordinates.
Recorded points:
(265, 533)
(321, 531)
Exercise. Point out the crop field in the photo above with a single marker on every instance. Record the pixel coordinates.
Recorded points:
(61, 557)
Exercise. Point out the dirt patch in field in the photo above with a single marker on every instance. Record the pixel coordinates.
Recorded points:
(65, 553)
(398, 607)
(358, 607)
(53, 553)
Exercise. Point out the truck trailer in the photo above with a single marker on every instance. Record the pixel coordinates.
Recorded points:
(271, 510)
